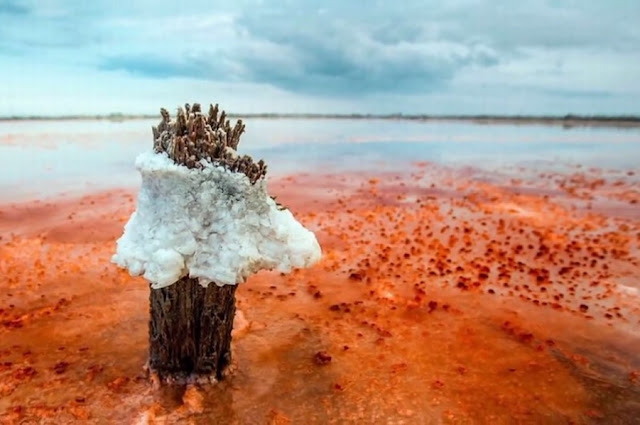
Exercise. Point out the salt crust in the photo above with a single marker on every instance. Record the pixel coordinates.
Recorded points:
(208, 223)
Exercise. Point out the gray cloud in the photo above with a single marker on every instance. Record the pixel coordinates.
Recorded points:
(309, 51)
(31, 28)
(341, 50)
(547, 24)
(158, 67)
(336, 57)
(323, 48)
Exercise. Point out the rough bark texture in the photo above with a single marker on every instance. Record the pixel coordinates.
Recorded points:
(190, 330)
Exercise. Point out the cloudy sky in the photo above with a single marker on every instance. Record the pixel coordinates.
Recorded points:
(411, 56)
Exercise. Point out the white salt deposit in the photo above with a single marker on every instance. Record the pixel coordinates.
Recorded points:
(210, 224)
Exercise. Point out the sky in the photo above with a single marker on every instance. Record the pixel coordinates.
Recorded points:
(332, 56)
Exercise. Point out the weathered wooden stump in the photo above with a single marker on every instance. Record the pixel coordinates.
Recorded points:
(177, 236)
(190, 326)
(190, 329)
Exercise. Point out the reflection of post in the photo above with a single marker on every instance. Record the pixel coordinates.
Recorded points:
(203, 224)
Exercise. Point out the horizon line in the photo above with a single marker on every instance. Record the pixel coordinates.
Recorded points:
(567, 120)
(122, 115)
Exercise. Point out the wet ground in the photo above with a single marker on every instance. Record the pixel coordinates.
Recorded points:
(471, 274)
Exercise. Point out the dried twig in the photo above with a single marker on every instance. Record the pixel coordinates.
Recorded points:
(194, 137)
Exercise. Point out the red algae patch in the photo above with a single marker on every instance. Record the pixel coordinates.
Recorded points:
(441, 297)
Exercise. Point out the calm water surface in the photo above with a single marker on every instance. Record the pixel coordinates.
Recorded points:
(48, 158)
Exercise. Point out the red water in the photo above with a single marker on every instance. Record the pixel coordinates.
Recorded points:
(441, 298)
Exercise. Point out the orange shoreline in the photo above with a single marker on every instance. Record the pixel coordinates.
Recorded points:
(439, 296)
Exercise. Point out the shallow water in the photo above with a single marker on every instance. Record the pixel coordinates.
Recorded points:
(471, 274)
(51, 157)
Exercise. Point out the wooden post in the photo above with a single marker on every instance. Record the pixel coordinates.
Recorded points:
(190, 325)
(190, 330)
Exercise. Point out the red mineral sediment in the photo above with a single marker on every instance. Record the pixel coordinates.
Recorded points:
(490, 302)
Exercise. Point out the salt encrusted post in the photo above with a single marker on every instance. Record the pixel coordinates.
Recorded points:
(204, 223)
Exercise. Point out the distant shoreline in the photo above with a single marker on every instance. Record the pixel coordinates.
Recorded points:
(567, 121)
